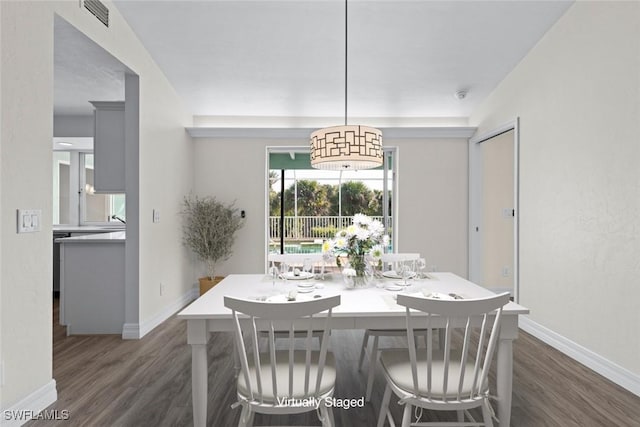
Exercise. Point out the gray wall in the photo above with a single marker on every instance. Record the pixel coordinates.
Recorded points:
(432, 218)
(26, 132)
(578, 97)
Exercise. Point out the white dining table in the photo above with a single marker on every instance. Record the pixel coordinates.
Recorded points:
(362, 308)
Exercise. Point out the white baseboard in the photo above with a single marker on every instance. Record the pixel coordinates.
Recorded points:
(30, 406)
(131, 331)
(613, 372)
(134, 331)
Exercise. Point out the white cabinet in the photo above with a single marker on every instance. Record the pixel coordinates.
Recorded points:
(109, 147)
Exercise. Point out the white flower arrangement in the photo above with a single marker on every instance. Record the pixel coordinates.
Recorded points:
(363, 237)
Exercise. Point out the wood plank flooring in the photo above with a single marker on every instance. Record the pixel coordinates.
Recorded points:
(105, 381)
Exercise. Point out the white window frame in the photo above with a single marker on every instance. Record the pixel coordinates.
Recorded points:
(388, 150)
(77, 195)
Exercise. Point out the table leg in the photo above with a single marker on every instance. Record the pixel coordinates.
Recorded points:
(505, 381)
(199, 383)
(197, 337)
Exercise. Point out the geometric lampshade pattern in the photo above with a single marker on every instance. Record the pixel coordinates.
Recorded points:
(351, 147)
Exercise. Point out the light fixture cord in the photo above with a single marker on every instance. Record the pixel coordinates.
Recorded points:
(346, 35)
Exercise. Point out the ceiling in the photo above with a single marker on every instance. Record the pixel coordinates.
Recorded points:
(82, 72)
(287, 58)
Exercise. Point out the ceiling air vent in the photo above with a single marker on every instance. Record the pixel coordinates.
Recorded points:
(98, 9)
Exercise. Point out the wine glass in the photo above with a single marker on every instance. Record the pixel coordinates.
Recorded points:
(421, 266)
(273, 271)
(284, 269)
(307, 267)
(404, 270)
(409, 272)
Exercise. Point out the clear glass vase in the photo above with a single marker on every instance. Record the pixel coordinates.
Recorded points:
(357, 271)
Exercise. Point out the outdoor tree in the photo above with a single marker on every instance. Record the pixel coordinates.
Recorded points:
(315, 199)
(274, 196)
(358, 198)
(312, 199)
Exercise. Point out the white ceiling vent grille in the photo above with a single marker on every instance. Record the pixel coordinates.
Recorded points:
(99, 10)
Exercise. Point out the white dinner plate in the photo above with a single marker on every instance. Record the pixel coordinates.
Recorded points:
(306, 285)
(393, 287)
(304, 275)
(391, 274)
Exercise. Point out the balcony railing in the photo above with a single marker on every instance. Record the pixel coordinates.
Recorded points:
(309, 228)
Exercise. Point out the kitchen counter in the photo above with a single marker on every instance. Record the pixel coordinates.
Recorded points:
(88, 228)
(92, 283)
(63, 231)
(113, 237)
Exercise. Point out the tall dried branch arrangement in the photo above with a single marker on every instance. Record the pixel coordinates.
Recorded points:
(209, 229)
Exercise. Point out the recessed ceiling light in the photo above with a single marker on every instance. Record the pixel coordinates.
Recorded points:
(66, 144)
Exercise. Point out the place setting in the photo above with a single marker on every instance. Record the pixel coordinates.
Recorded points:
(297, 274)
(393, 274)
(401, 275)
(303, 279)
(306, 287)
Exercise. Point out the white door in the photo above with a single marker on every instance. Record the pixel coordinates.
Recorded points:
(493, 211)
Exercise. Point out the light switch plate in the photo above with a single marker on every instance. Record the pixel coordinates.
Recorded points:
(28, 220)
(156, 215)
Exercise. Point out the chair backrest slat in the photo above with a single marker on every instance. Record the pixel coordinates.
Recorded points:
(446, 357)
(476, 385)
(272, 360)
(291, 364)
(472, 318)
(253, 337)
(323, 351)
(464, 358)
(412, 349)
(240, 348)
(491, 347)
(259, 315)
(307, 357)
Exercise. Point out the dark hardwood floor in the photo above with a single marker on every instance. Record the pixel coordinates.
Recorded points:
(105, 381)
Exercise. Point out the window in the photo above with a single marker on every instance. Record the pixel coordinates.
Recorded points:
(98, 208)
(308, 206)
(75, 201)
(61, 187)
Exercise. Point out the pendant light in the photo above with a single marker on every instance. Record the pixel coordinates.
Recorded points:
(347, 147)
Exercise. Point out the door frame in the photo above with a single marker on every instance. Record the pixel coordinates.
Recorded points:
(475, 203)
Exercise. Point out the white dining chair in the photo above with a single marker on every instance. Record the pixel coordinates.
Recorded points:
(389, 260)
(272, 382)
(444, 379)
(292, 260)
